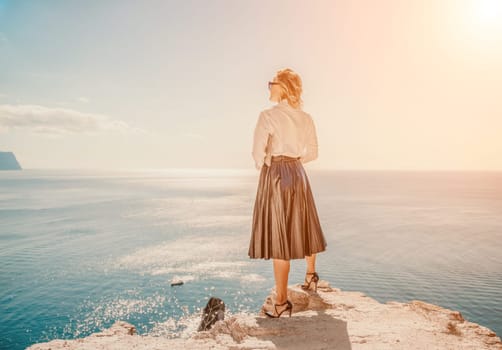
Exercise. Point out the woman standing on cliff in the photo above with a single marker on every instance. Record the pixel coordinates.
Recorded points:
(285, 220)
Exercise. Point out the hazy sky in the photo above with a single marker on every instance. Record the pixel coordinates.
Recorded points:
(391, 84)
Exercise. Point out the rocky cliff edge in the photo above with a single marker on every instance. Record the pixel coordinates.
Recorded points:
(327, 319)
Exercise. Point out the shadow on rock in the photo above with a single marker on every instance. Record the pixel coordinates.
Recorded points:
(321, 331)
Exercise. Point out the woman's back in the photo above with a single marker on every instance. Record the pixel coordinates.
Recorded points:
(291, 132)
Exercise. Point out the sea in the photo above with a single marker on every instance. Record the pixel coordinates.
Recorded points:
(83, 248)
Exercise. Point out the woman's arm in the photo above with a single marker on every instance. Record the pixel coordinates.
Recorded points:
(262, 132)
(311, 144)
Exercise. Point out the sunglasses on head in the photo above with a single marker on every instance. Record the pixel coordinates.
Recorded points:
(270, 83)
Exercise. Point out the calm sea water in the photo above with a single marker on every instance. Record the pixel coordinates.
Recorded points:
(81, 249)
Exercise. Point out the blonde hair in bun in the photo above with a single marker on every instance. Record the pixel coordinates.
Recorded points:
(292, 87)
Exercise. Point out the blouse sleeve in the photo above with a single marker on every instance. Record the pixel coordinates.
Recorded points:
(260, 139)
(311, 144)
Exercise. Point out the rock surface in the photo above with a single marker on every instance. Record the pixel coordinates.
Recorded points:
(328, 319)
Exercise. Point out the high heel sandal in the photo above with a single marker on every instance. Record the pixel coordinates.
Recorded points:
(289, 307)
(314, 278)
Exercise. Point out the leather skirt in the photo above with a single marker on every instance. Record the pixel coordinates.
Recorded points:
(285, 220)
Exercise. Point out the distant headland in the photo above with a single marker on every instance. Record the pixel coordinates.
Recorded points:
(8, 161)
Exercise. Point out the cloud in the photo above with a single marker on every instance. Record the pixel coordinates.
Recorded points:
(83, 99)
(59, 121)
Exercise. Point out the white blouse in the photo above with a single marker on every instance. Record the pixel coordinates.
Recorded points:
(283, 129)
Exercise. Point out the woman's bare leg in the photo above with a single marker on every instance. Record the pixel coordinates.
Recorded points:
(310, 263)
(281, 272)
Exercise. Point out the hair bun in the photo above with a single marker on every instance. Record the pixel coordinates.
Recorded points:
(291, 83)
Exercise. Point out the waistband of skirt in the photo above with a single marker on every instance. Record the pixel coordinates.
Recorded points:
(283, 158)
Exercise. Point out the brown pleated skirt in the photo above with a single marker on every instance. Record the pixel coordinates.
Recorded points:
(285, 220)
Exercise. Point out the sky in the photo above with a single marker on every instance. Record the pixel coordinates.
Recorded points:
(390, 84)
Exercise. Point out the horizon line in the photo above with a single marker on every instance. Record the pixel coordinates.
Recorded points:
(252, 169)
